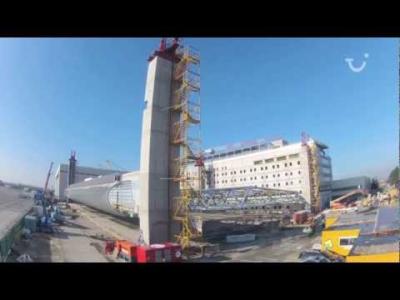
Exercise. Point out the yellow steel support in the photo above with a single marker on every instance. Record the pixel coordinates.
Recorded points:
(316, 177)
(185, 102)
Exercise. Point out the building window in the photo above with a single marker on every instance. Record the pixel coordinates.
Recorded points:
(299, 181)
(269, 160)
(273, 166)
(285, 164)
(291, 173)
(286, 174)
(299, 172)
(298, 162)
(255, 178)
(262, 168)
(277, 166)
(286, 183)
(274, 184)
(262, 177)
(251, 178)
(266, 176)
(251, 170)
(257, 162)
(291, 183)
(279, 184)
(255, 169)
(300, 192)
(293, 155)
(266, 168)
(266, 185)
(273, 175)
(280, 158)
(279, 175)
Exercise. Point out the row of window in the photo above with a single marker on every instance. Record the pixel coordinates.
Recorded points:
(262, 177)
(255, 178)
(280, 158)
(288, 164)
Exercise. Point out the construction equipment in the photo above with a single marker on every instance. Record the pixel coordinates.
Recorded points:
(131, 252)
(45, 201)
(113, 166)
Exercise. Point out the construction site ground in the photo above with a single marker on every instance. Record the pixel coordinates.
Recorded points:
(282, 246)
(80, 239)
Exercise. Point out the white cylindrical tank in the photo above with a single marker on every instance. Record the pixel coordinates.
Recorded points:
(114, 194)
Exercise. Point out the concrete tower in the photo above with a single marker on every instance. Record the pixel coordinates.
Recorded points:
(154, 213)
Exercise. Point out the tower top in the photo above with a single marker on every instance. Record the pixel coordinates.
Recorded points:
(166, 50)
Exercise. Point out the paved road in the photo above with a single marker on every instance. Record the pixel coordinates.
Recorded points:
(12, 208)
(80, 239)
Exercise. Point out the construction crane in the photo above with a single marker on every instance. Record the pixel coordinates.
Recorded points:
(47, 178)
(44, 197)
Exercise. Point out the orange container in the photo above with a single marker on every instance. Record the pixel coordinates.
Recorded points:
(126, 250)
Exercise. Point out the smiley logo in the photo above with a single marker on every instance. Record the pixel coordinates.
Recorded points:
(356, 69)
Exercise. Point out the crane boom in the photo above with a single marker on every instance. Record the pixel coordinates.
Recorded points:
(47, 179)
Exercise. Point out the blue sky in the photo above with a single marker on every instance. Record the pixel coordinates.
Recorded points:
(87, 94)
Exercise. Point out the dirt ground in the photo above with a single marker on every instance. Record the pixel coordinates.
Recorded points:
(82, 239)
(283, 246)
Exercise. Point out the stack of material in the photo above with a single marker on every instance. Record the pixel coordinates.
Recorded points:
(30, 222)
(242, 238)
(38, 209)
(300, 217)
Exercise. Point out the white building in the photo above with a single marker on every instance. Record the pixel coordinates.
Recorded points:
(81, 173)
(274, 165)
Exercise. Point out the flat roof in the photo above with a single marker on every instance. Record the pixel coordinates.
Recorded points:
(379, 230)
(371, 244)
(241, 147)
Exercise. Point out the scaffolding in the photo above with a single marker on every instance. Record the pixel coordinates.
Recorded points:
(313, 166)
(185, 136)
(315, 188)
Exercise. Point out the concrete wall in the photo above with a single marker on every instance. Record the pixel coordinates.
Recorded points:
(154, 211)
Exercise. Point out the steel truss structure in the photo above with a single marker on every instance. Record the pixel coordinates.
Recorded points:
(243, 198)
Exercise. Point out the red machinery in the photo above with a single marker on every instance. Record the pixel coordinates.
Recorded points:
(300, 217)
(126, 250)
(167, 252)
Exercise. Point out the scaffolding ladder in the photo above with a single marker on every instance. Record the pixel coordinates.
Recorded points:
(313, 166)
(185, 136)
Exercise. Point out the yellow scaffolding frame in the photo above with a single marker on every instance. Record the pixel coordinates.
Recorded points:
(186, 77)
(313, 166)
